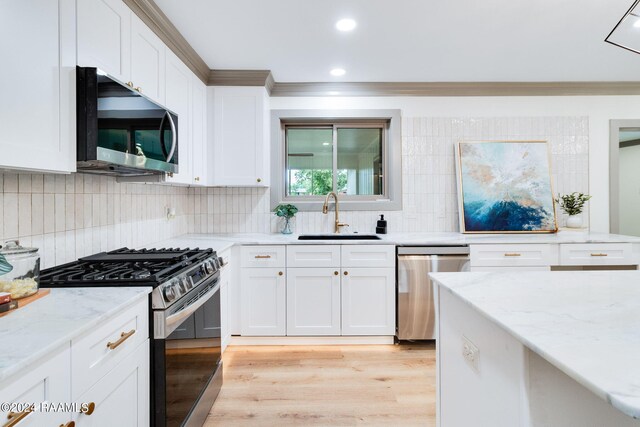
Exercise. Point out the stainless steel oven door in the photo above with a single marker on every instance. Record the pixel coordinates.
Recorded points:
(187, 349)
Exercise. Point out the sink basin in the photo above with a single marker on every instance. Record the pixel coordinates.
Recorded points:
(338, 237)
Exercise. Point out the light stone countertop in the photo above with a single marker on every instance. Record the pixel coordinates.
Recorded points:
(587, 324)
(220, 242)
(45, 325)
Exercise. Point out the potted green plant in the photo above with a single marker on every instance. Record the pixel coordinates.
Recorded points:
(573, 204)
(287, 212)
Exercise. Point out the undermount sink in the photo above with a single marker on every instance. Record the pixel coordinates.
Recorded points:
(338, 237)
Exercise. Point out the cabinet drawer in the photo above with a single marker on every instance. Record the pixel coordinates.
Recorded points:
(262, 256)
(597, 254)
(513, 255)
(368, 256)
(122, 396)
(313, 256)
(92, 355)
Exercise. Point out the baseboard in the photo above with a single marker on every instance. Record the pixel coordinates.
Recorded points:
(362, 340)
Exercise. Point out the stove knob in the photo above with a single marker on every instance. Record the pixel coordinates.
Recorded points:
(181, 285)
(205, 268)
(186, 282)
(170, 292)
(210, 267)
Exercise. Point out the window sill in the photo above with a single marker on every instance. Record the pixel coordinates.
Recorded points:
(345, 205)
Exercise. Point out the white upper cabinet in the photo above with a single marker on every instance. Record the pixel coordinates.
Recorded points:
(199, 131)
(239, 125)
(104, 36)
(147, 60)
(177, 99)
(37, 83)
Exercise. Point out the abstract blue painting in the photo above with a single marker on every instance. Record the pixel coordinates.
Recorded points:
(505, 187)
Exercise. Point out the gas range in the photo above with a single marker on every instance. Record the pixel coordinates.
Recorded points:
(172, 272)
(184, 331)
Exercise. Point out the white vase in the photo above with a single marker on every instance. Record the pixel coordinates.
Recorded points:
(574, 221)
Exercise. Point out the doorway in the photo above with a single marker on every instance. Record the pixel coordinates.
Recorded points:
(624, 177)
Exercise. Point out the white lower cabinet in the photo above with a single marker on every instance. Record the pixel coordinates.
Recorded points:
(313, 291)
(313, 301)
(368, 301)
(46, 382)
(118, 397)
(109, 373)
(263, 297)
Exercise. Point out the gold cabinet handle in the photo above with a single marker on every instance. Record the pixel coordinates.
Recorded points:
(170, 174)
(263, 256)
(90, 408)
(69, 424)
(335, 273)
(600, 254)
(512, 254)
(258, 180)
(197, 178)
(346, 273)
(123, 337)
(280, 273)
(138, 89)
(15, 417)
(130, 84)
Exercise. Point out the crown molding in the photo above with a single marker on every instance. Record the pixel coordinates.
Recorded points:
(456, 89)
(149, 12)
(241, 78)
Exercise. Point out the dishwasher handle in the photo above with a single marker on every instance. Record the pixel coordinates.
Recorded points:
(433, 250)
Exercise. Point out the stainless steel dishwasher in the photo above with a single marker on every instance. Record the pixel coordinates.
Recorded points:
(416, 312)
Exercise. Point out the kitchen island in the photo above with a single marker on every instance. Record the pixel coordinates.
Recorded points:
(538, 348)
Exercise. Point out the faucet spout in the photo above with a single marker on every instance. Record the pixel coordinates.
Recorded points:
(325, 210)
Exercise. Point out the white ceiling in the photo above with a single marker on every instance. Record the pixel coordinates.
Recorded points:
(410, 40)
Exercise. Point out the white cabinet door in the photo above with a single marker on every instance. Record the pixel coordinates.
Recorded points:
(121, 397)
(37, 83)
(240, 136)
(368, 301)
(263, 302)
(313, 301)
(198, 131)
(44, 382)
(147, 60)
(177, 98)
(104, 36)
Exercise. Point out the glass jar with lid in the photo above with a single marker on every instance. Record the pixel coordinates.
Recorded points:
(19, 270)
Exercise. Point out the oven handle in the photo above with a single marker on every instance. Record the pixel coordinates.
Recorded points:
(164, 324)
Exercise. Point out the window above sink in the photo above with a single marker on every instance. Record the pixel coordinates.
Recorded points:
(354, 153)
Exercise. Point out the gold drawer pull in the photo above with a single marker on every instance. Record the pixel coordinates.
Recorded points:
(123, 337)
(89, 409)
(69, 424)
(512, 254)
(15, 417)
(599, 254)
(263, 256)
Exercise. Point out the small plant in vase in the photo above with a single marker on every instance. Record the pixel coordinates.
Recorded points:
(287, 212)
(573, 205)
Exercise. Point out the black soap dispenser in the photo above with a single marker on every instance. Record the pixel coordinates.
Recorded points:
(381, 227)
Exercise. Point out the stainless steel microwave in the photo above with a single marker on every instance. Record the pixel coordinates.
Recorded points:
(120, 131)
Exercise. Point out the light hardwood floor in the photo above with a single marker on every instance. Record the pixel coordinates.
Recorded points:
(376, 385)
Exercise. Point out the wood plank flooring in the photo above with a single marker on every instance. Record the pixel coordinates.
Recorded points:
(376, 385)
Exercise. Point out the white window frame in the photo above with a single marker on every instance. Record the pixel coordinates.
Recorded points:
(391, 199)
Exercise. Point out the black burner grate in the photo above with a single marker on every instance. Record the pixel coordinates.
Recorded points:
(124, 266)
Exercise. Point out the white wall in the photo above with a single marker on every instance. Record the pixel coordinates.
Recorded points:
(598, 109)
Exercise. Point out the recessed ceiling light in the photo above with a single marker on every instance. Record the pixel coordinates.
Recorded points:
(637, 23)
(325, 143)
(338, 72)
(346, 24)
(333, 92)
